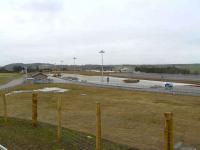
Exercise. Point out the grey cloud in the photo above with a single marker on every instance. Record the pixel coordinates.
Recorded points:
(138, 31)
(43, 6)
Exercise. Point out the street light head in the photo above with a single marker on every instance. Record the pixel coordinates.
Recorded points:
(102, 51)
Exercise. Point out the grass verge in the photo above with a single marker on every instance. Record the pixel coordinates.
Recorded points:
(18, 134)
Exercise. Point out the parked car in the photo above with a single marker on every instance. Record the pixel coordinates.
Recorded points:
(169, 85)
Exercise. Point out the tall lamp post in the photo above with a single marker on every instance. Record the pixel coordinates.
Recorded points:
(102, 52)
(26, 71)
(74, 64)
(62, 67)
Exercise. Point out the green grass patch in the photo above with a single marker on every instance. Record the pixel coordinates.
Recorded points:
(19, 134)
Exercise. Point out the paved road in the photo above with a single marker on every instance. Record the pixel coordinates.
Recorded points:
(181, 89)
(12, 83)
(175, 91)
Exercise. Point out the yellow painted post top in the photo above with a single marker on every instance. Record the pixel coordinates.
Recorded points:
(168, 115)
(35, 94)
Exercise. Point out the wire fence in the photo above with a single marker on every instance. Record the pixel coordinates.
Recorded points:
(126, 130)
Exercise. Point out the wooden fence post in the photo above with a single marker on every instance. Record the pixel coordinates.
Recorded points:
(34, 109)
(168, 131)
(59, 109)
(4, 107)
(98, 126)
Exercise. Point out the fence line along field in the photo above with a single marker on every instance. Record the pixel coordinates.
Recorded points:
(131, 118)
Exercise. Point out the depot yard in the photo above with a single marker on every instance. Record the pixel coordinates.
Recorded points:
(6, 77)
(132, 118)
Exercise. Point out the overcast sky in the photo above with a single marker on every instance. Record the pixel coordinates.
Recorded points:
(130, 31)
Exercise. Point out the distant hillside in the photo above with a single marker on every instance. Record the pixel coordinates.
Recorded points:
(46, 66)
(10, 67)
(192, 68)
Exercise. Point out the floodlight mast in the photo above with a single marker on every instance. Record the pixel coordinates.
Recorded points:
(62, 67)
(26, 71)
(102, 71)
(74, 63)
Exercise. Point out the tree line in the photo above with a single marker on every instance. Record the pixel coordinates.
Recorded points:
(19, 68)
(170, 70)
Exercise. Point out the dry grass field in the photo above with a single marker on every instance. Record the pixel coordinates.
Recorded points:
(132, 118)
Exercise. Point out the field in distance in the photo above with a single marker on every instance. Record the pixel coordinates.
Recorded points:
(131, 118)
